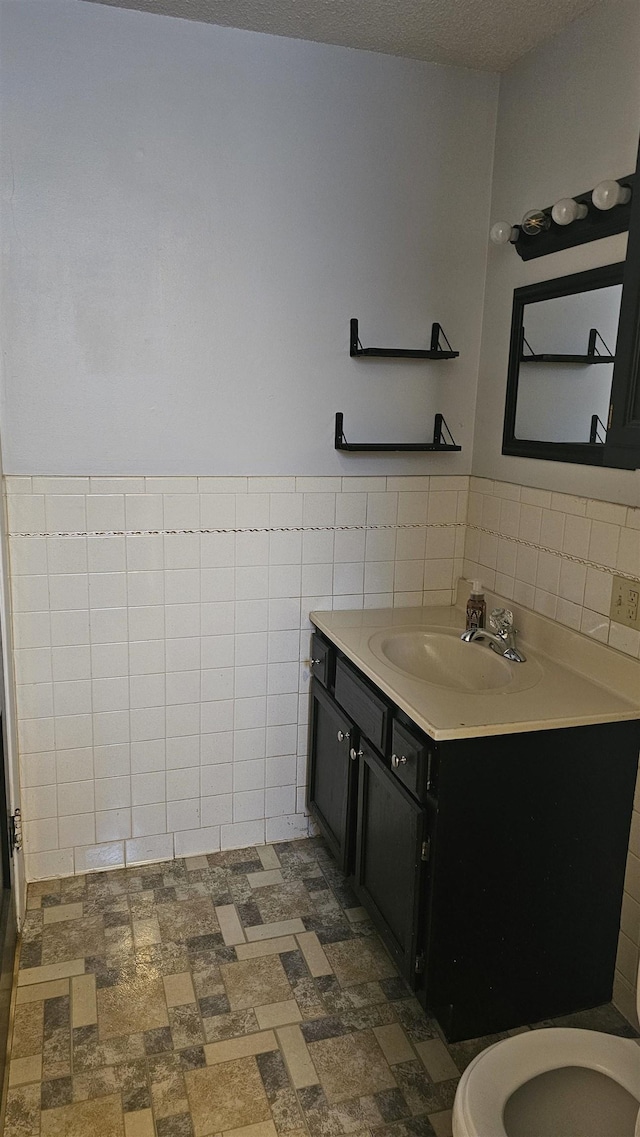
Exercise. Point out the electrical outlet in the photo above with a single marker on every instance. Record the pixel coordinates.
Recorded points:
(625, 602)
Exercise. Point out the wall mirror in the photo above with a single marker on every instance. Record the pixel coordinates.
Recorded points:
(561, 362)
(623, 441)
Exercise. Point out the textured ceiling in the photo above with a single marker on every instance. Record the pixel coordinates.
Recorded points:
(485, 34)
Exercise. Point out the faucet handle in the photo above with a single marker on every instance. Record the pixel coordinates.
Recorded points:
(501, 620)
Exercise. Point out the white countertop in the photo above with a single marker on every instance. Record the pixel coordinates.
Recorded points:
(593, 683)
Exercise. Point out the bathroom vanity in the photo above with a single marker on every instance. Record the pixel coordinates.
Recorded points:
(483, 821)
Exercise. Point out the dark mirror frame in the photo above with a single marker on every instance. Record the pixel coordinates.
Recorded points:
(586, 453)
(623, 441)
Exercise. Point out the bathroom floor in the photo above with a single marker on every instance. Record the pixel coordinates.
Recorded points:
(243, 993)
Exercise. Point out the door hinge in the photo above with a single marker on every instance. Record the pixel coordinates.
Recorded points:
(428, 779)
(15, 832)
(426, 850)
(418, 966)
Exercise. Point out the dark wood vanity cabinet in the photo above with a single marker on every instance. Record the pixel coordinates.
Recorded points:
(530, 849)
(492, 867)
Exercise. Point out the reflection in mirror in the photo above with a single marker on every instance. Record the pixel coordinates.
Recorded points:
(566, 365)
(563, 340)
(623, 439)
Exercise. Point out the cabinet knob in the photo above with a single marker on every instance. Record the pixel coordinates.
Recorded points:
(398, 761)
(314, 662)
(342, 734)
(354, 754)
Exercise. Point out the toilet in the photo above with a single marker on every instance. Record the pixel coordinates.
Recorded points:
(552, 1082)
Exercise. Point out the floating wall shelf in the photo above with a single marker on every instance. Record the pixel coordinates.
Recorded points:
(437, 446)
(434, 352)
(592, 355)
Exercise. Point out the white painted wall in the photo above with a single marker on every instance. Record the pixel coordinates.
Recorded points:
(568, 117)
(192, 215)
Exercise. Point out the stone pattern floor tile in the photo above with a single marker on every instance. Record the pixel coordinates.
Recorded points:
(254, 982)
(227, 1096)
(239, 994)
(102, 1117)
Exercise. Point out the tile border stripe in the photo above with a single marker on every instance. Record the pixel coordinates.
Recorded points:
(554, 552)
(231, 529)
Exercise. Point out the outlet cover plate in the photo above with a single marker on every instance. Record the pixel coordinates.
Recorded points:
(625, 602)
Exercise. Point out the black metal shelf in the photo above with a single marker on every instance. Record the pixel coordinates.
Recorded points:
(437, 446)
(356, 349)
(591, 357)
(586, 359)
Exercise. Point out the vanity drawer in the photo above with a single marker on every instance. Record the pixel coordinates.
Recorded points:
(362, 703)
(322, 660)
(413, 760)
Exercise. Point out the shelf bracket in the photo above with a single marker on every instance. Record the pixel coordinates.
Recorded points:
(593, 350)
(443, 441)
(437, 331)
(594, 433)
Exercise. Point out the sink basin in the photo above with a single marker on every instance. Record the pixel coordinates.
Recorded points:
(438, 656)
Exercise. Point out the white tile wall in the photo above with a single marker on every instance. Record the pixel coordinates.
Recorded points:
(557, 553)
(161, 639)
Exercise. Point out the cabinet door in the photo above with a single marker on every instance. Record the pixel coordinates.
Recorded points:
(332, 774)
(389, 850)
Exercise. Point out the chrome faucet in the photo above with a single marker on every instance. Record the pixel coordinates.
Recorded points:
(503, 637)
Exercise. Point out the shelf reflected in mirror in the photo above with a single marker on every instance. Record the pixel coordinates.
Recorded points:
(562, 354)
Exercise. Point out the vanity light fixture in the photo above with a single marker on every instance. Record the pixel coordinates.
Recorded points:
(587, 216)
(609, 193)
(502, 232)
(567, 210)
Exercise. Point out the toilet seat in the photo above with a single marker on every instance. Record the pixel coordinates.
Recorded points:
(495, 1074)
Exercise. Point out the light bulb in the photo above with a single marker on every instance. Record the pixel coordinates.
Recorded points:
(567, 210)
(609, 193)
(502, 232)
(535, 221)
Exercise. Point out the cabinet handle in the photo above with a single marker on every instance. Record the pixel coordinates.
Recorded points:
(354, 754)
(401, 761)
(342, 734)
(315, 662)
